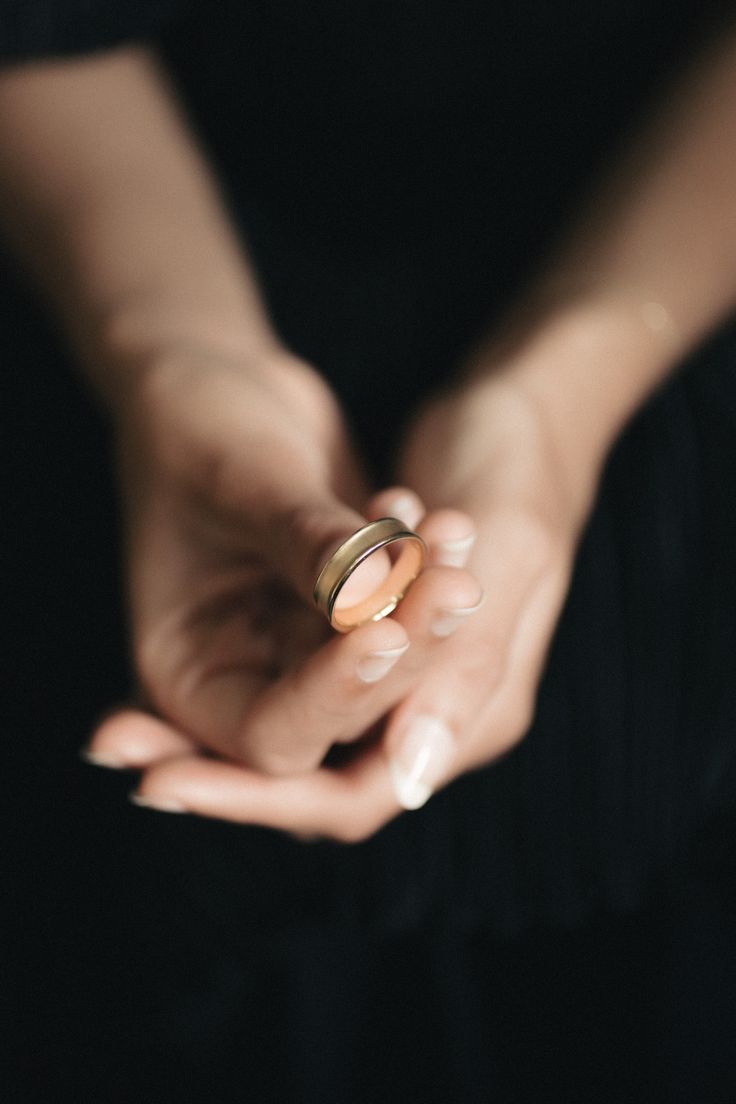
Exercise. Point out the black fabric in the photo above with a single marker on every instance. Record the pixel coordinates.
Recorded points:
(32, 29)
(397, 170)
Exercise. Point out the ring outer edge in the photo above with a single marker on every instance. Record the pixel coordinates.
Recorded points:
(326, 603)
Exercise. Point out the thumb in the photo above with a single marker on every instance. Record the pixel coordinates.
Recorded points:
(305, 535)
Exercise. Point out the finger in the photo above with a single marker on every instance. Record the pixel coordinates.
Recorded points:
(397, 502)
(347, 805)
(449, 534)
(508, 713)
(131, 739)
(354, 802)
(304, 535)
(341, 691)
(202, 663)
(270, 491)
(477, 704)
(435, 607)
(217, 689)
(334, 696)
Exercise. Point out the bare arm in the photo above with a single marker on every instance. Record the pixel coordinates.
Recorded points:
(583, 360)
(237, 470)
(647, 271)
(108, 200)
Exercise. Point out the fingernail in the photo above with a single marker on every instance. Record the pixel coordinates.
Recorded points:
(454, 553)
(372, 667)
(98, 760)
(406, 509)
(421, 761)
(446, 621)
(163, 804)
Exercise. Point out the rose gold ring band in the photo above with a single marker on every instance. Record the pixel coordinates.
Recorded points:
(350, 554)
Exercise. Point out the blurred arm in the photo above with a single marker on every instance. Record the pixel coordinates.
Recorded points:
(106, 198)
(646, 272)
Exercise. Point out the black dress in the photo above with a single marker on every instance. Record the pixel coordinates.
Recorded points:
(557, 927)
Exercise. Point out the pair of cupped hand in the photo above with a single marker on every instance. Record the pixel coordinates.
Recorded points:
(238, 480)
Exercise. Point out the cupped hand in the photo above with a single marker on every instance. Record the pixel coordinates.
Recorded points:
(485, 451)
(238, 481)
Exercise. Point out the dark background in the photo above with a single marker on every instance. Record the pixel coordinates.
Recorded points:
(141, 957)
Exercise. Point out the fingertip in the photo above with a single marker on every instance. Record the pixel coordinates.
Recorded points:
(453, 586)
(106, 759)
(160, 804)
(202, 786)
(439, 588)
(131, 739)
(449, 535)
(398, 502)
(376, 636)
(166, 783)
(307, 535)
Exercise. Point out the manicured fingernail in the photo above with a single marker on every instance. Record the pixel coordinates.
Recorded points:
(372, 667)
(421, 760)
(101, 760)
(406, 509)
(162, 804)
(454, 553)
(446, 621)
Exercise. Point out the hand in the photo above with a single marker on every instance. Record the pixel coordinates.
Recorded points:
(238, 480)
(486, 450)
(490, 451)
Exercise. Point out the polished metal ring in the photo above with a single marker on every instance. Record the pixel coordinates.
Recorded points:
(353, 552)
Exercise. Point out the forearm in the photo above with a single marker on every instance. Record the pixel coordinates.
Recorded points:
(107, 199)
(646, 273)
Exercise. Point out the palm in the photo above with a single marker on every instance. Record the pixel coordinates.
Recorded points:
(214, 622)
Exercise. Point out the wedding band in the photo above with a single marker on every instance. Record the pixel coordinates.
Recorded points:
(350, 554)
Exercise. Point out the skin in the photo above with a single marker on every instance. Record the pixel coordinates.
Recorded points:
(238, 476)
(227, 641)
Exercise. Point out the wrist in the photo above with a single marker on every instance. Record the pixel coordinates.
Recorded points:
(189, 405)
(128, 350)
(586, 366)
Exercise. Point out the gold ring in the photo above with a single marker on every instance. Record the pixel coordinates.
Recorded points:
(350, 554)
